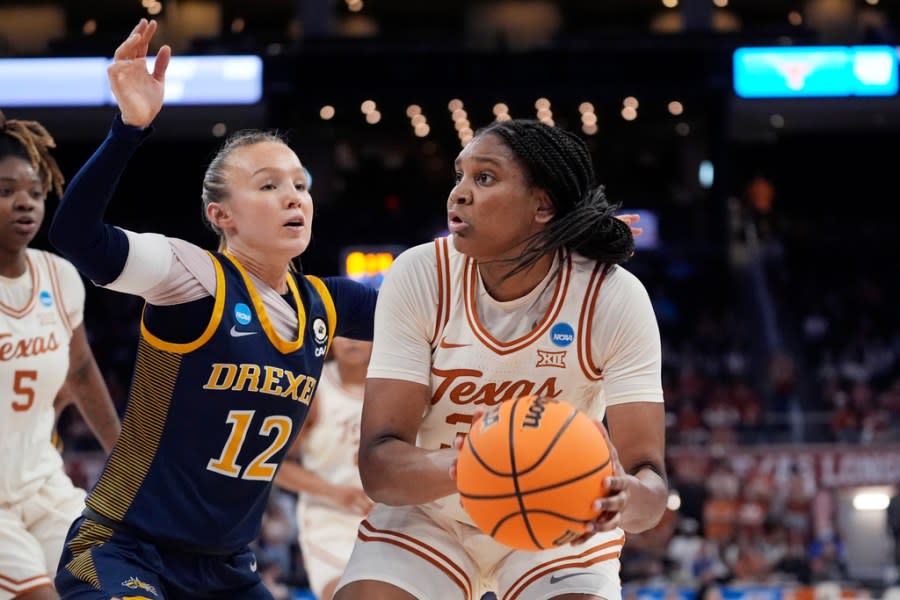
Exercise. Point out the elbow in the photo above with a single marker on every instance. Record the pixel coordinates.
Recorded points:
(372, 470)
(65, 234)
(369, 474)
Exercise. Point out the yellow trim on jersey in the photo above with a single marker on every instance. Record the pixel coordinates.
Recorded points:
(328, 301)
(282, 345)
(214, 320)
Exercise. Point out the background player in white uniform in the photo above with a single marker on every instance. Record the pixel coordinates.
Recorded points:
(44, 357)
(524, 297)
(332, 501)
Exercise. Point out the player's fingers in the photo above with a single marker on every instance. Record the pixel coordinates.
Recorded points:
(606, 523)
(636, 231)
(615, 484)
(629, 219)
(146, 35)
(162, 63)
(127, 49)
(613, 504)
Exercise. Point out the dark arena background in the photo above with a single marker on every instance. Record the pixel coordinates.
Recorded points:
(758, 139)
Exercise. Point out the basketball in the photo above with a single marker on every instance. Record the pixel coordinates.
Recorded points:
(529, 471)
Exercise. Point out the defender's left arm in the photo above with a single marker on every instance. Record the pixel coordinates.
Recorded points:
(84, 386)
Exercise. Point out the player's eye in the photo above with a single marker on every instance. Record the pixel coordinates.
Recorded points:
(484, 178)
(457, 176)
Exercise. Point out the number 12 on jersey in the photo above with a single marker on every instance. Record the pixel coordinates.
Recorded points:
(258, 469)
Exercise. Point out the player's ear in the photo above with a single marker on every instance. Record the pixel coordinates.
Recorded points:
(218, 215)
(545, 208)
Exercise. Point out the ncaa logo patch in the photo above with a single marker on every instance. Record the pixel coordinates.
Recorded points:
(562, 335)
(320, 331)
(242, 313)
(45, 298)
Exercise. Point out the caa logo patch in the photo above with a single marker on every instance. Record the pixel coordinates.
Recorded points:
(562, 335)
(320, 331)
(242, 313)
(45, 298)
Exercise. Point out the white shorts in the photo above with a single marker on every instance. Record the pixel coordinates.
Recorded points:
(430, 556)
(32, 533)
(326, 541)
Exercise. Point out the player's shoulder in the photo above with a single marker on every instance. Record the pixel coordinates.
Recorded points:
(617, 281)
(418, 261)
(64, 268)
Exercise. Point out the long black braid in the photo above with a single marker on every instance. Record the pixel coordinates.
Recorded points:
(559, 162)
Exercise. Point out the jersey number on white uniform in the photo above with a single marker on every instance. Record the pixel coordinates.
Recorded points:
(258, 469)
(22, 388)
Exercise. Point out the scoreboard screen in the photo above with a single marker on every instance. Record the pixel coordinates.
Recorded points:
(368, 264)
(815, 71)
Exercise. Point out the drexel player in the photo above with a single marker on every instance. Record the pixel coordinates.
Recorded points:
(230, 352)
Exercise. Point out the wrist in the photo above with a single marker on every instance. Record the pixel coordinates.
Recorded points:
(125, 130)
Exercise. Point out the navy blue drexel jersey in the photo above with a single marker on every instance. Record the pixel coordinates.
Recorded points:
(209, 421)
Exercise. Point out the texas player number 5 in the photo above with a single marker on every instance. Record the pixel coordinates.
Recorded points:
(22, 385)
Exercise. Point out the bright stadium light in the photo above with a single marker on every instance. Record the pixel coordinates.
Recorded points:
(871, 501)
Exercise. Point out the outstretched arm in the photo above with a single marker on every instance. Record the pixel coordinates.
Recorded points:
(99, 250)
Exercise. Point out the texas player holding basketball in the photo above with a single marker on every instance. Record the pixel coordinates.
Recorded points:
(525, 297)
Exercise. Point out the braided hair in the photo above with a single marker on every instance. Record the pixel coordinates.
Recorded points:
(29, 141)
(558, 162)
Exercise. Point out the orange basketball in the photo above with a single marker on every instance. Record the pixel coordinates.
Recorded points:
(529, 471)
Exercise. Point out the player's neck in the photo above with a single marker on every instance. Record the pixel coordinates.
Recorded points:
(352, 374)
(13, 263)
(275, 276)
(504, 289)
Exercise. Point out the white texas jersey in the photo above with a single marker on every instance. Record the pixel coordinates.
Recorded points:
(330, 448)
(38, 312)
(586, 335)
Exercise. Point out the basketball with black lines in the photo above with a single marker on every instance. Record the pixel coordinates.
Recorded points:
(529, 471)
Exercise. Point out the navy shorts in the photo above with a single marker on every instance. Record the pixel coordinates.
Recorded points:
(98, 563)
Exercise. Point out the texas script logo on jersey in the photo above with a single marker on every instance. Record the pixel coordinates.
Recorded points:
(467, 386)
(25, 347)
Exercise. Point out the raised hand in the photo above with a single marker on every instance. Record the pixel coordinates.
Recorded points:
(138, 92)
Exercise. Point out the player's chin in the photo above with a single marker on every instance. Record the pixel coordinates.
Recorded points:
(466, 243)
(297, 246)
